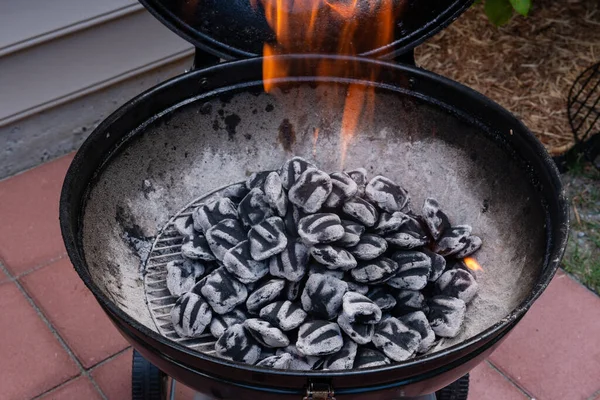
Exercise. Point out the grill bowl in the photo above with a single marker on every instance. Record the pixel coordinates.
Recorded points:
(212, 127)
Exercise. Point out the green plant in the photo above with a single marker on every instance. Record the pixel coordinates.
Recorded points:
(501, 11)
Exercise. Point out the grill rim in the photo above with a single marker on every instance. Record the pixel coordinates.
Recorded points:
(556, 220)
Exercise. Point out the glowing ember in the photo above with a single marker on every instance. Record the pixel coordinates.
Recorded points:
(330, 26)
(472, 264)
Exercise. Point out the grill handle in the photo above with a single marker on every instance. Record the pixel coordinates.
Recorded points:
(319, 391)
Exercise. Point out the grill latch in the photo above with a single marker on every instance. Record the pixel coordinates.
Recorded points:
(319, 391)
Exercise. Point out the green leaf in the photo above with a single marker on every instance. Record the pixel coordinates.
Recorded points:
(521, 6)
(498, 11)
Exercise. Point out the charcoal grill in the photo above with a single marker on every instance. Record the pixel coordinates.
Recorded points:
(157, 155)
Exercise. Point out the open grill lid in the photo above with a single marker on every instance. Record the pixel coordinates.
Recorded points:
(234, 29)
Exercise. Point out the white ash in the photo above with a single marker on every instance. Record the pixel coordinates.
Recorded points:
(291, 274)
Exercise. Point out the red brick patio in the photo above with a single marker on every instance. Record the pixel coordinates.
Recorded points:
(56, 343)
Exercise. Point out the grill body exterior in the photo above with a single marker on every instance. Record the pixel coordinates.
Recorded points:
(503, 146)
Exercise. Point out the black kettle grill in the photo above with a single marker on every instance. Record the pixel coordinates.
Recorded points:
(214, 125)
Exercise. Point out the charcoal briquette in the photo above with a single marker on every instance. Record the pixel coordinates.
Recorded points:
(284, 314)
(182, 275)
(293, 290)
(282, 361)
(390, 223)
(457, 283)
(184, 225)
(360, 333)
(361, 211)
(369, 358)
(319, 338)
(343, 359)
(222, 291)
(237, 344)
(473, 244)
(358, 308)
(257, 179)
(359, 175)
(292, 169)
(300, 362)
(322, 296)
(196, 247)
(343, 188)
(380, 296)
(376, 271)
(235, 192)
(408, 301)
(435, 219)
(310, 190)
(352, 233)
(254, 208)
(190, 315)
(220, 323)
(446, 315)
(453, 240)
(369, 247)
(409, 236)
(413, 270)
(240, 263)
(291, 262)
(396, 340)
(438, 265)
(211, 213)
(357, 287)
(320, 228)
(274, 193)
(224, 236)
(265, 333)
(386, 194)
(417, 321)
(266, 293)
(333, 257)
(267, 238)
(316, 268)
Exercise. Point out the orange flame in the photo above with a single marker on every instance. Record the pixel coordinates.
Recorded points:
(345, 27)
(472, 264)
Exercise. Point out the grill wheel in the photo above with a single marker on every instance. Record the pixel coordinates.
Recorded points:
(458, 390)
(147, 381)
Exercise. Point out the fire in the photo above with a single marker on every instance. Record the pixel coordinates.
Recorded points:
(344, 27)
(472, 264)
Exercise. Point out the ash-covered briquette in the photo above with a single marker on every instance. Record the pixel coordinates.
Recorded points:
(222, 291)
(220, 323)
(322, 296)
(396, 340)
(264, 294)
(267, 238)
(182, 275)
(213, 212)
(190, 315)
(284, 314)
(319, 338)
(311, 190)
(369, 358)
(386, 194)
(237, 344)
(239, 262)
(333, 257)
(343, 359)
(289, 269)
(457, 283)
(291, 262)
(265, 333)
(446, 315)
(343, 188)
(369, 247)
(196, 247)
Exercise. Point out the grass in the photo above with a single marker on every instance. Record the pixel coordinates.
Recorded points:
(582, 257)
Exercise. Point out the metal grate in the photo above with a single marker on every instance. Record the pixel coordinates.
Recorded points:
(166, 248)
(584, 109)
